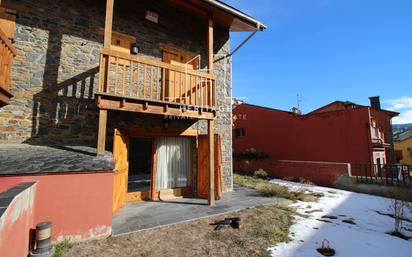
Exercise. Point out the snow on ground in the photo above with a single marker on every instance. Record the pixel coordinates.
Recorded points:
(367, 237)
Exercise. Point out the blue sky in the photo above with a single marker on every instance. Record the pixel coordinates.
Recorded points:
(326, 50)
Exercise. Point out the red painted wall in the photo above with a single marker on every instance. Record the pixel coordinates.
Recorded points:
(79, 205)
(383, 121)
(15, 224)
(319, 173)
(339, 136)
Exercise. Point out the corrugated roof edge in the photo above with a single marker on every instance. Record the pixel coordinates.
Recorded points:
(403, 135)
(230, 9)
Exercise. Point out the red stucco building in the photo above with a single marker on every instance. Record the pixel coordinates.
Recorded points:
(340, 132)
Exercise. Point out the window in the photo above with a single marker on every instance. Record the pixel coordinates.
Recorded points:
(239, 132)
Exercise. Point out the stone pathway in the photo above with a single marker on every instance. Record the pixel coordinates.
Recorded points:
(145, 215)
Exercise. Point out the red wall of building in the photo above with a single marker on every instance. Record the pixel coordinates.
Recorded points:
(383, 121)
(15, 224)
(339, 136)
(320, 173)
(79, 205)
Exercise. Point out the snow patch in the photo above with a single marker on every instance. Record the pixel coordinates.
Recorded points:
(367, 237)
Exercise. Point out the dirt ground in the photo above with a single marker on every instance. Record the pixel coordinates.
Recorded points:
(262, 227)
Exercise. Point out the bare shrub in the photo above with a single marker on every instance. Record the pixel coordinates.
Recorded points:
(305, 181)
(250, 154)
(400, 211)
(260, 174)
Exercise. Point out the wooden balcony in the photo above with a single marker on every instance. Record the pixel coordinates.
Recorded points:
(7, 53)
(139, 84)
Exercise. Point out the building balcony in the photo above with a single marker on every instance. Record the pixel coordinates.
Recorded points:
(379, 143)
(140, 84)
(7, 53)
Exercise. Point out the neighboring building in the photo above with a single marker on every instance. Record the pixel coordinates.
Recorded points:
(149, 82)
(380, 124)
(340, 132)
(403, 146)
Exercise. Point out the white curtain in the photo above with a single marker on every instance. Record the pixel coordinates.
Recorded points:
(172, 162)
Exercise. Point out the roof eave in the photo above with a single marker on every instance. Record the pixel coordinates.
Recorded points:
(237, 13)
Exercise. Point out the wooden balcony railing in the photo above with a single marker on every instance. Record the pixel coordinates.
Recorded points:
(7, 53)
(136, 77)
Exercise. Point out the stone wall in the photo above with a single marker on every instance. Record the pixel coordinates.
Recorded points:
(55, 74)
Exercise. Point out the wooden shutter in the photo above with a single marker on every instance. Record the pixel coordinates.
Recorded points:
(122, 42)
(218, 167)
(203, 167)
(120, 155)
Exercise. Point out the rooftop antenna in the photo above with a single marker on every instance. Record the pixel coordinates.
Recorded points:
(298, 100)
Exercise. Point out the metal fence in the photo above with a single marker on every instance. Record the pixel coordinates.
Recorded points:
(385, 174)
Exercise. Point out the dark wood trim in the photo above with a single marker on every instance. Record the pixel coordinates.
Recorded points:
(8, 43)
(19, 8)
(5, 96)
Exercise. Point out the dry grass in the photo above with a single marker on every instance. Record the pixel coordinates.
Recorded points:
(262, 227)
(267, 189)
(62, 247)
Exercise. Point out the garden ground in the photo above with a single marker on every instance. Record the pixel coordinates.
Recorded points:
(262, 227)
(354, 225)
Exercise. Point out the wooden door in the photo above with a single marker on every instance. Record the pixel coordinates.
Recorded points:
(120, 154)
(177, 83)
(203, 167)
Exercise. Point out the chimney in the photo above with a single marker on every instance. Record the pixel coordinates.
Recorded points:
(375, 102)
(296, 111)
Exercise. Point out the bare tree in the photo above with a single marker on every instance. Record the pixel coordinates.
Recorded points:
(397, 209)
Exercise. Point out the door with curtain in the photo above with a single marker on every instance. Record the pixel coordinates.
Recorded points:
(172, 163)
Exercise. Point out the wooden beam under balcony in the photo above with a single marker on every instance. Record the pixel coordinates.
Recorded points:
(157, 107)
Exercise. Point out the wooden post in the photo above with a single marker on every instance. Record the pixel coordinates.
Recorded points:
(211, 198)
(101, 136)
(210, 45)
(108, 24)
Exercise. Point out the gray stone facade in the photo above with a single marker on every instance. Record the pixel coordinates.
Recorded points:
(55, 74)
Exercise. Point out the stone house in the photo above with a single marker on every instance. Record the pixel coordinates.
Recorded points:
(129, 98)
